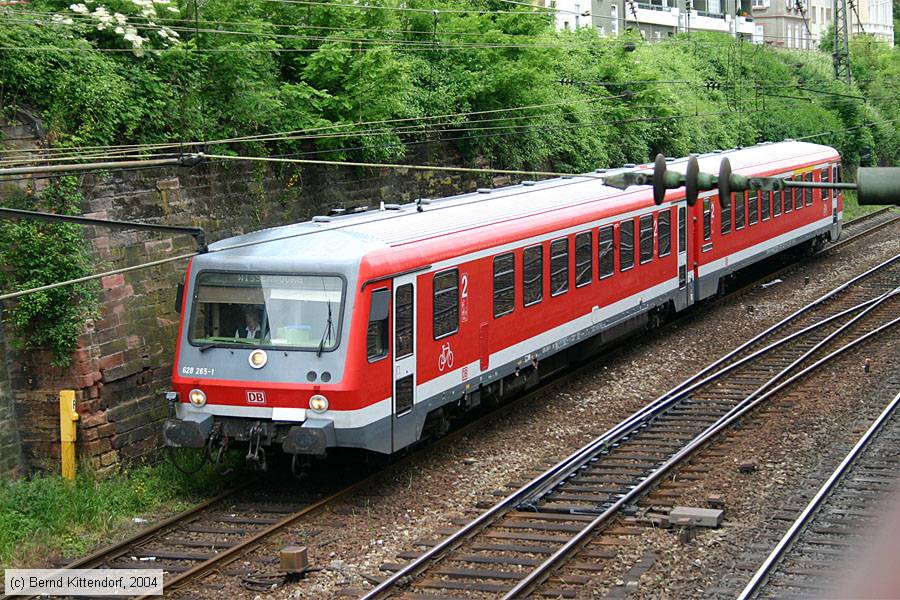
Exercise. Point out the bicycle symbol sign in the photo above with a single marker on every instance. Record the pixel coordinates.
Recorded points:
(445, 360)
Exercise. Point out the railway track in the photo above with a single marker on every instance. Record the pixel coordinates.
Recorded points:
(518, 546)
(838, 523)
(212, 535)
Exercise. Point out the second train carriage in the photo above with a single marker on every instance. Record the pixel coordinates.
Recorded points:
(367, 329)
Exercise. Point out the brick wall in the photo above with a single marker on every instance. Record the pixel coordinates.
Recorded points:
(124, 359)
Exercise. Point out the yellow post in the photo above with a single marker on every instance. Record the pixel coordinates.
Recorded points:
(67, 432)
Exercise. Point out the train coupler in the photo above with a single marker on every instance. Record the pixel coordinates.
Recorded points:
(256, 455)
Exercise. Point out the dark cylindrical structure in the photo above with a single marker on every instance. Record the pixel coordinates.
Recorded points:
(878, 185)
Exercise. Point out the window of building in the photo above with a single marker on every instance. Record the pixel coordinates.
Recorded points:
(765, 205)
(533, 275)
(446, 303)
(559, 267)
(738, 199)
(725, 226)
(504, 284)
(606, 258)
(753, 207)
(646, 239)
(626, 244)
(403, 328)
(682, 229)
(377, 333)
(776, 203)
(664, 240)
(584, 258)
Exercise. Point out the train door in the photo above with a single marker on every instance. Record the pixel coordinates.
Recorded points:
(685, 275)
(403, 425)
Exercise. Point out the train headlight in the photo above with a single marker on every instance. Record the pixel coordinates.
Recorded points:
(258, 359)
(197, 397)
(318, 403)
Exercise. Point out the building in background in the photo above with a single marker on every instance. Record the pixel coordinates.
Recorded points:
(803, 23)
(657, 19)
(876, 18)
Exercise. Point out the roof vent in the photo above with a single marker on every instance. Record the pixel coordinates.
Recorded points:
(600, 170)
(528, 182)
(565, 176)
(484, 190)
(337, 210)
(391, 207)
(630, 165)
(670, 159)
(423, 201)
(321, 219)
(360, 209)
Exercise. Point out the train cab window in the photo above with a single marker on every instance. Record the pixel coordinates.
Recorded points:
(707, 219)
(646, 239)
(826, 193)
(808, 192)
(752, 207)
(403, 328)
(446, 303)
(504, 284)
(738, 201)
(725, 226)
(559, 266)
(584, 259)
(776, 203)
(664, 228)
(606, 259)
(296, 312)
(377, 333)
(765, 205)
(533, 275)
(787, 195)
(798, 195)
(626, 245)
(682, 229)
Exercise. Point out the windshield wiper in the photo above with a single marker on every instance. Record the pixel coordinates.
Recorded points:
(326, 335)
(224, 343)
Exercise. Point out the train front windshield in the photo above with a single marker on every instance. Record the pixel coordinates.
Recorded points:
(239, 309)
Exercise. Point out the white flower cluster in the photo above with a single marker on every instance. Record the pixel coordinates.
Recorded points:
(120, 25)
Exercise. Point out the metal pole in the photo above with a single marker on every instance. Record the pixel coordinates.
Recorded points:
(188, 160)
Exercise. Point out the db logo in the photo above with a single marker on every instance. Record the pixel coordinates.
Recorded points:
(256, 397)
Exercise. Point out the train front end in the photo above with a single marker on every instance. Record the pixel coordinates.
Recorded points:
(263, 350)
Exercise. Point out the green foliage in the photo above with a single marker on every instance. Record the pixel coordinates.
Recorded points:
(36, 253)
(47, 515)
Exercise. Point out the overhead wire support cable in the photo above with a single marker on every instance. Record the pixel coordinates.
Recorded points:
(188, 160)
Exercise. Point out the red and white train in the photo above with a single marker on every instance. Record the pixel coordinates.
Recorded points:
(367, 330)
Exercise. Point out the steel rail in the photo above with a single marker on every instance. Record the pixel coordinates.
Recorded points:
(759, 578)
(565, 466)
(535, 577)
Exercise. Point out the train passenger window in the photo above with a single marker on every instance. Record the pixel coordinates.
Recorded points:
(765, 205)
(798, 195)
(788, 195)
(606, 258)
(808, 192)
(753, 207)
(707, 219)
(403, 328)
(377, 333)
(725, 226)
(533, 275)
(584, 259)
(646, 239)
(559, 267)
(738, 200)
(504, 284)
(776, 203)
(826, 194)
(664, 240)
(446, 303)
(682, 229)
(626, 245)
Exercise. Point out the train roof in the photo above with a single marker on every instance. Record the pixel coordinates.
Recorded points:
(349, 237)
